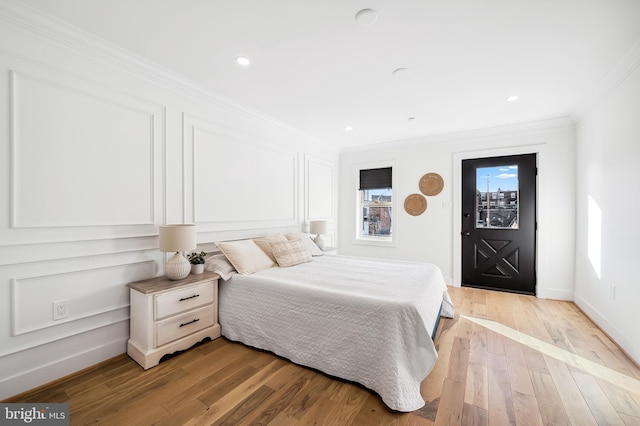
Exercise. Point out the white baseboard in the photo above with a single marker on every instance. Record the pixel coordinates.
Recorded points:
(44, 373)
(556, 294)
(630, 349)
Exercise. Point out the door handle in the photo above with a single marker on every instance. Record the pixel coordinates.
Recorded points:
(465, 233)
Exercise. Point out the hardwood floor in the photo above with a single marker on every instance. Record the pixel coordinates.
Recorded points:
(505, 359)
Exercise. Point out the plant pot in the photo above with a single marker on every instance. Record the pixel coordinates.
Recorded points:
(197, 269)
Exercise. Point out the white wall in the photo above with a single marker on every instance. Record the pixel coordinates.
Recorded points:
(434, 236)
(607, 203)
(98, 148)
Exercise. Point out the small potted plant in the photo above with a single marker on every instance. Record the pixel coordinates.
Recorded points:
(197, 262)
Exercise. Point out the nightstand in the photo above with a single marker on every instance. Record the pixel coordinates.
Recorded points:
(169, 316)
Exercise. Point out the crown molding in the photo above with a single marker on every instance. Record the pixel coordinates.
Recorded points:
(626, 66)
(489, 132)
(34, 21)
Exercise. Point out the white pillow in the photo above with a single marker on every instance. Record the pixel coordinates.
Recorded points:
(307, 241)
(245, 256)
(265, 243)
(219, 264)
(290, 253)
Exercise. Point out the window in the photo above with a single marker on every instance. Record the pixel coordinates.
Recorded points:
(498, 213)
(375, 204)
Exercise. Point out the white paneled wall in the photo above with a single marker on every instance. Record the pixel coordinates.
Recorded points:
(98, 148)
(98, 153)
(320, 190)
(233, 180)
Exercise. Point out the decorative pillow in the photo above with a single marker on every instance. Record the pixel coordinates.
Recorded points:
(245, 256)
(265, 243)
(307, 241)
(219, 264)
(290, 253)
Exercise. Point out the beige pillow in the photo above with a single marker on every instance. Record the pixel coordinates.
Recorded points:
(219, 264)
(245, 256)
(265, 243)
(290, 253)
(307, 241)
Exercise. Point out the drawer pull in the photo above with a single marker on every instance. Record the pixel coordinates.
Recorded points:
(187, 298)
(190, 322)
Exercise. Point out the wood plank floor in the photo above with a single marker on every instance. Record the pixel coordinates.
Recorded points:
(505, 359)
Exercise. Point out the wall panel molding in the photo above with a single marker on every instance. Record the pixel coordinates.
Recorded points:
(107, 177)
(320, 187)
(320, 184)
(92, 141)
(215, 191)
(28, 253)
(72, 285)
(31, 297)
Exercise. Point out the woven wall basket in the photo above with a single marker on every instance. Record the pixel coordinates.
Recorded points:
(431, 184)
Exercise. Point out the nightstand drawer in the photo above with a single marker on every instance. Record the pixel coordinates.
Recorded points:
(182, 325)
(174, 302)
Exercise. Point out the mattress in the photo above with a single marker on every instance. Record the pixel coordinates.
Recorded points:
(361, 319)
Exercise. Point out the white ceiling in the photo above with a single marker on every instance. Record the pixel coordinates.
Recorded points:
(317, 70)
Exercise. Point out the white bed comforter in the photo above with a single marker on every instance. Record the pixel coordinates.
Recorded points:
(364, 320)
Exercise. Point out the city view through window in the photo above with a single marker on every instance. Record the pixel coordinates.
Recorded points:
(376, 212)
(497, 197)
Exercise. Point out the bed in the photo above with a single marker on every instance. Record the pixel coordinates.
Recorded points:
(364, 320)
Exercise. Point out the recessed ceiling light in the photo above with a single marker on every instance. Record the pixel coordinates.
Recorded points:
(400, 72)
(242, 60)
(367, 17)
(348, 129)
(410, 119)
(513, 98)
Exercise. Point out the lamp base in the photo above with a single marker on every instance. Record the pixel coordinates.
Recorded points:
(319, 241)
(177, 267)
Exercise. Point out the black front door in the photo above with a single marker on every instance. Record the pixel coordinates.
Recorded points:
(499, 223)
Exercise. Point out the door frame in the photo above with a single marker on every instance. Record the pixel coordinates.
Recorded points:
(538, 149)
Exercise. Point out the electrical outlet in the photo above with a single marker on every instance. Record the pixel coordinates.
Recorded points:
(60, 309)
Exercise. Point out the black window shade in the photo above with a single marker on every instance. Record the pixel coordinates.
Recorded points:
(376, 178)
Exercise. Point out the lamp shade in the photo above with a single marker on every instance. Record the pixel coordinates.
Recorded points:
(318, 227)
(177, 238)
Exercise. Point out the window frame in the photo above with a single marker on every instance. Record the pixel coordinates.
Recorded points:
(359, 238)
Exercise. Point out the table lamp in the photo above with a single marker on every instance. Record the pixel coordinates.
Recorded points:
(318, 227)
(177, 239)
